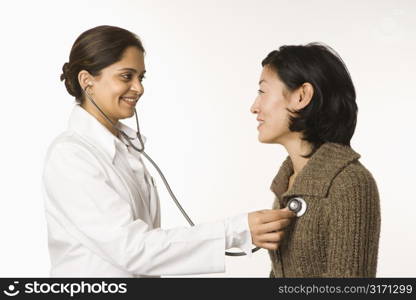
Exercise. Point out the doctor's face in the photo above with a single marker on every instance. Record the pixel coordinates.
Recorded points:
(118, 87)
(271, 105)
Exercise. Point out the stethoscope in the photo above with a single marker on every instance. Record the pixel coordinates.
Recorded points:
(295, 204)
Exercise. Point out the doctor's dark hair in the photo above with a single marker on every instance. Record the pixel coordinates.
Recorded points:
(331, 115)
(94, 50)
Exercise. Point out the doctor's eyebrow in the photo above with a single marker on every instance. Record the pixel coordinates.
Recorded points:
(131, 70)
(261, 81)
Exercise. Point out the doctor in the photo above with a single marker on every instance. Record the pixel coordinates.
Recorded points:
(102, 207)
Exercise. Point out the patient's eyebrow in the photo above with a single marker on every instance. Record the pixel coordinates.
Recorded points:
(261, 81)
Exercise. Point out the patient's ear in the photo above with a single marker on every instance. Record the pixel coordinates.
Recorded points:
(302, 96)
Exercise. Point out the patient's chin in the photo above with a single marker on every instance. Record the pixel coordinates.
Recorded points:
(265, 140)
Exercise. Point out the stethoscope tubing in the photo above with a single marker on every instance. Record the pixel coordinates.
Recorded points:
(162, 176)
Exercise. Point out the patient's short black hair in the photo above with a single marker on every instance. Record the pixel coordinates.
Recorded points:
(331, 116)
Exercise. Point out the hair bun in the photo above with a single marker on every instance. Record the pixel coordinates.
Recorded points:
(69, 83)
(65, 71)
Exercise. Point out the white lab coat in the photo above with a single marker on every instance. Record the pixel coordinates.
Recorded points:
(103, 214)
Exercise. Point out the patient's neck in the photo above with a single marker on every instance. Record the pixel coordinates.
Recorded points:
(296, 147)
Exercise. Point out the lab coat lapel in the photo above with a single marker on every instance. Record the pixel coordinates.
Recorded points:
(137, 164)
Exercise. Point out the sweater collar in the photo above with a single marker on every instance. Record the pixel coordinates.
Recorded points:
(316, 176)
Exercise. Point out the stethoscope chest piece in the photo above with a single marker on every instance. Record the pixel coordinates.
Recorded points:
(297, 205)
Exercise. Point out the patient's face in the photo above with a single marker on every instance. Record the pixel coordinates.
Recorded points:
(270, 107)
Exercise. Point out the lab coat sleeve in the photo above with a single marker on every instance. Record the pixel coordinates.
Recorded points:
(354, 224)
(237, 234)
(81, 198)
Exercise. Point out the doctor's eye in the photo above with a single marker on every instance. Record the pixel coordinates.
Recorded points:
(126, 76)
(141, 78)
(260, 92)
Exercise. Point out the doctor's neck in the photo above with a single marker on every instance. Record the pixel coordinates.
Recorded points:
(92, 110)
(296, 147)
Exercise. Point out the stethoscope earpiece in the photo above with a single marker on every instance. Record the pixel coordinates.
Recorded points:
(297, 205)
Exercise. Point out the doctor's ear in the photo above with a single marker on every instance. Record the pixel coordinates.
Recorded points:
(85, 79)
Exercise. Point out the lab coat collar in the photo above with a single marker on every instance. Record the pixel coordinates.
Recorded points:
(317, 175)
(86, 125)
(131, 133)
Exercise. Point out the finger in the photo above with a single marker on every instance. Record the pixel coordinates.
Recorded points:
(268, 246)
(273, 226)
(287, 212)
(272, 237)
(272, 215)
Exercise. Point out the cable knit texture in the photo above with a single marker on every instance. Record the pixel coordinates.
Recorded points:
(338, 235)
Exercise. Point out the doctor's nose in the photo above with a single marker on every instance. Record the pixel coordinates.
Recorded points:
(137, 86)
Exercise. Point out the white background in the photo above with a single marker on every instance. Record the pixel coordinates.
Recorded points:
(203, 64)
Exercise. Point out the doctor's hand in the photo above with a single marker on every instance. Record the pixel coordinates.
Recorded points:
(266, 226)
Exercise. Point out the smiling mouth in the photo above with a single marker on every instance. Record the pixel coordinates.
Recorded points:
(260, 123)
(129, 100)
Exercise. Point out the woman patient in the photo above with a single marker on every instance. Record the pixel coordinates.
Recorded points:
(306, 103)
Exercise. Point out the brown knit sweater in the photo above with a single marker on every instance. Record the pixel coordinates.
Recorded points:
(339, 233)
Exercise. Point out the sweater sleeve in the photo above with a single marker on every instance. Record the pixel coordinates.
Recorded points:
(354, 225)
